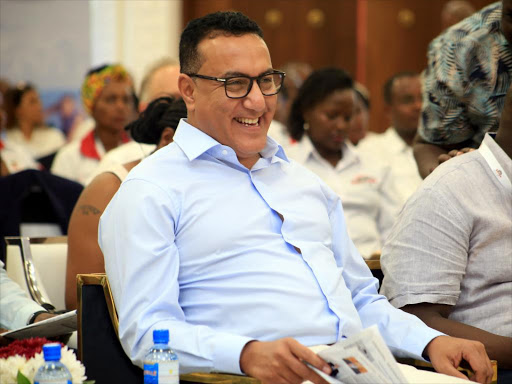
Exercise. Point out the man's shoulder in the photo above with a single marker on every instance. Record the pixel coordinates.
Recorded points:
(458, 173)
(164, 165)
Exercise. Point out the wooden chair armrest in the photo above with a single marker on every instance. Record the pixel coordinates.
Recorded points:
(216, 378)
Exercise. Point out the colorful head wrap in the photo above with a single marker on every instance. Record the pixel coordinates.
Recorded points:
(96, 80)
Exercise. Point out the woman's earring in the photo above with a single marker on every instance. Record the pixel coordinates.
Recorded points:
(305, 126)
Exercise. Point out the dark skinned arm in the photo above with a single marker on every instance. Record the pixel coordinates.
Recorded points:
(436, 316)
(428, 156)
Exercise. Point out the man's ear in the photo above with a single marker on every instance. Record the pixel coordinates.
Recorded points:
(187, 87)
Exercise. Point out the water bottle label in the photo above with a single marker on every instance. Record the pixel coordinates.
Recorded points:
(151, 373)
(164, 372)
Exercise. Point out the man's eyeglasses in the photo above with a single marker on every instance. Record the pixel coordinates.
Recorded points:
(237, 87)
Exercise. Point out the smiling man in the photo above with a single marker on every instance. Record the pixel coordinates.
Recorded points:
(242, 254)
(226, 104)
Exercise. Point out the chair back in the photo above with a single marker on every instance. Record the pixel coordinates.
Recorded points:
(375, 269)
(99, 348)
(35, 203)
(38, 265)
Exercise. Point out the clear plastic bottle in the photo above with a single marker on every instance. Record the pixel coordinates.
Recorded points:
(161, 363)
(53, 371)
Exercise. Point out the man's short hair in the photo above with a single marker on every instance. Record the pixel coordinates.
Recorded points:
(144, 85)
(227, 23)
(387, 90)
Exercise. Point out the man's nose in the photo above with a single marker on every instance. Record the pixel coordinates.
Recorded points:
(255, 100)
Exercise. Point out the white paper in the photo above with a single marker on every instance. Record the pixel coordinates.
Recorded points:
(361, 359)
(370, 343)
(365, 358)
(54, 326)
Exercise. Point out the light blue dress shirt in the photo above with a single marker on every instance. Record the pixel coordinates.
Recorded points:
(194, 242)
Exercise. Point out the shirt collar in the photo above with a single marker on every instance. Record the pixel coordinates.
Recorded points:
(273, 149)
(88, 146)
(194, 142)
(504, 160)
(308, 151)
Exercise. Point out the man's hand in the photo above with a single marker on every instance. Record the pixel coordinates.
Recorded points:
(43, 316)
(61, 338)
(281, 362)
(454, 152)
(446, 353)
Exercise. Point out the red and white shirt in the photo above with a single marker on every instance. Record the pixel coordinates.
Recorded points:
(78, 160)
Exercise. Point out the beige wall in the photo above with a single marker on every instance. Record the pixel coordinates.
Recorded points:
(134, 32)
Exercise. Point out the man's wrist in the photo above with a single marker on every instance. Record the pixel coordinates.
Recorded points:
(426, 354)
(244, 350)
(34, 316)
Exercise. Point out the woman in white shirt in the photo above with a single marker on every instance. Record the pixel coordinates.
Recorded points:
(107, 95)
(25, 123)
(319, 120)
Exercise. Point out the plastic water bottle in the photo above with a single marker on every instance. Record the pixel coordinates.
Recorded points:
(161, 363)
(53, 371)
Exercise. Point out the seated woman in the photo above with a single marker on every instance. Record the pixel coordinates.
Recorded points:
(25, 125)
(319, 120)
(107, 96)
(13, 158)
(156, 125)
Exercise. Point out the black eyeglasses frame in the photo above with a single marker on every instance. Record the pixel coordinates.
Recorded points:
(251, 78)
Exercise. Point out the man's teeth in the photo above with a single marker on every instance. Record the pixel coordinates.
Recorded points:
(247, 121)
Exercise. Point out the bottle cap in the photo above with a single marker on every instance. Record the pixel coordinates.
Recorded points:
(161, 336)
(51, 352)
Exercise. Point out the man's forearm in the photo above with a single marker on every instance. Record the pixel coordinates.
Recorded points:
(498, 347)
(426, 156)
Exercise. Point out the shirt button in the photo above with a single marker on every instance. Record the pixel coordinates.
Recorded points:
(224, 152)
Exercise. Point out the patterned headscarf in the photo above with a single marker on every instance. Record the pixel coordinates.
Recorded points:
(96, 81)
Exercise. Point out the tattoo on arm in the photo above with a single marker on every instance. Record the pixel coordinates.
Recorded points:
(89, 209)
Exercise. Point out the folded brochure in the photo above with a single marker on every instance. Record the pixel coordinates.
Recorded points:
(54, 326)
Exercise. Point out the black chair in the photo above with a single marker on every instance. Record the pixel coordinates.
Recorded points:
(35, 197)
(374, 265)
(99, 348)
(47, 161)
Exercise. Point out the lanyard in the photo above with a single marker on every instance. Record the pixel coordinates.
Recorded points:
(495, 166)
